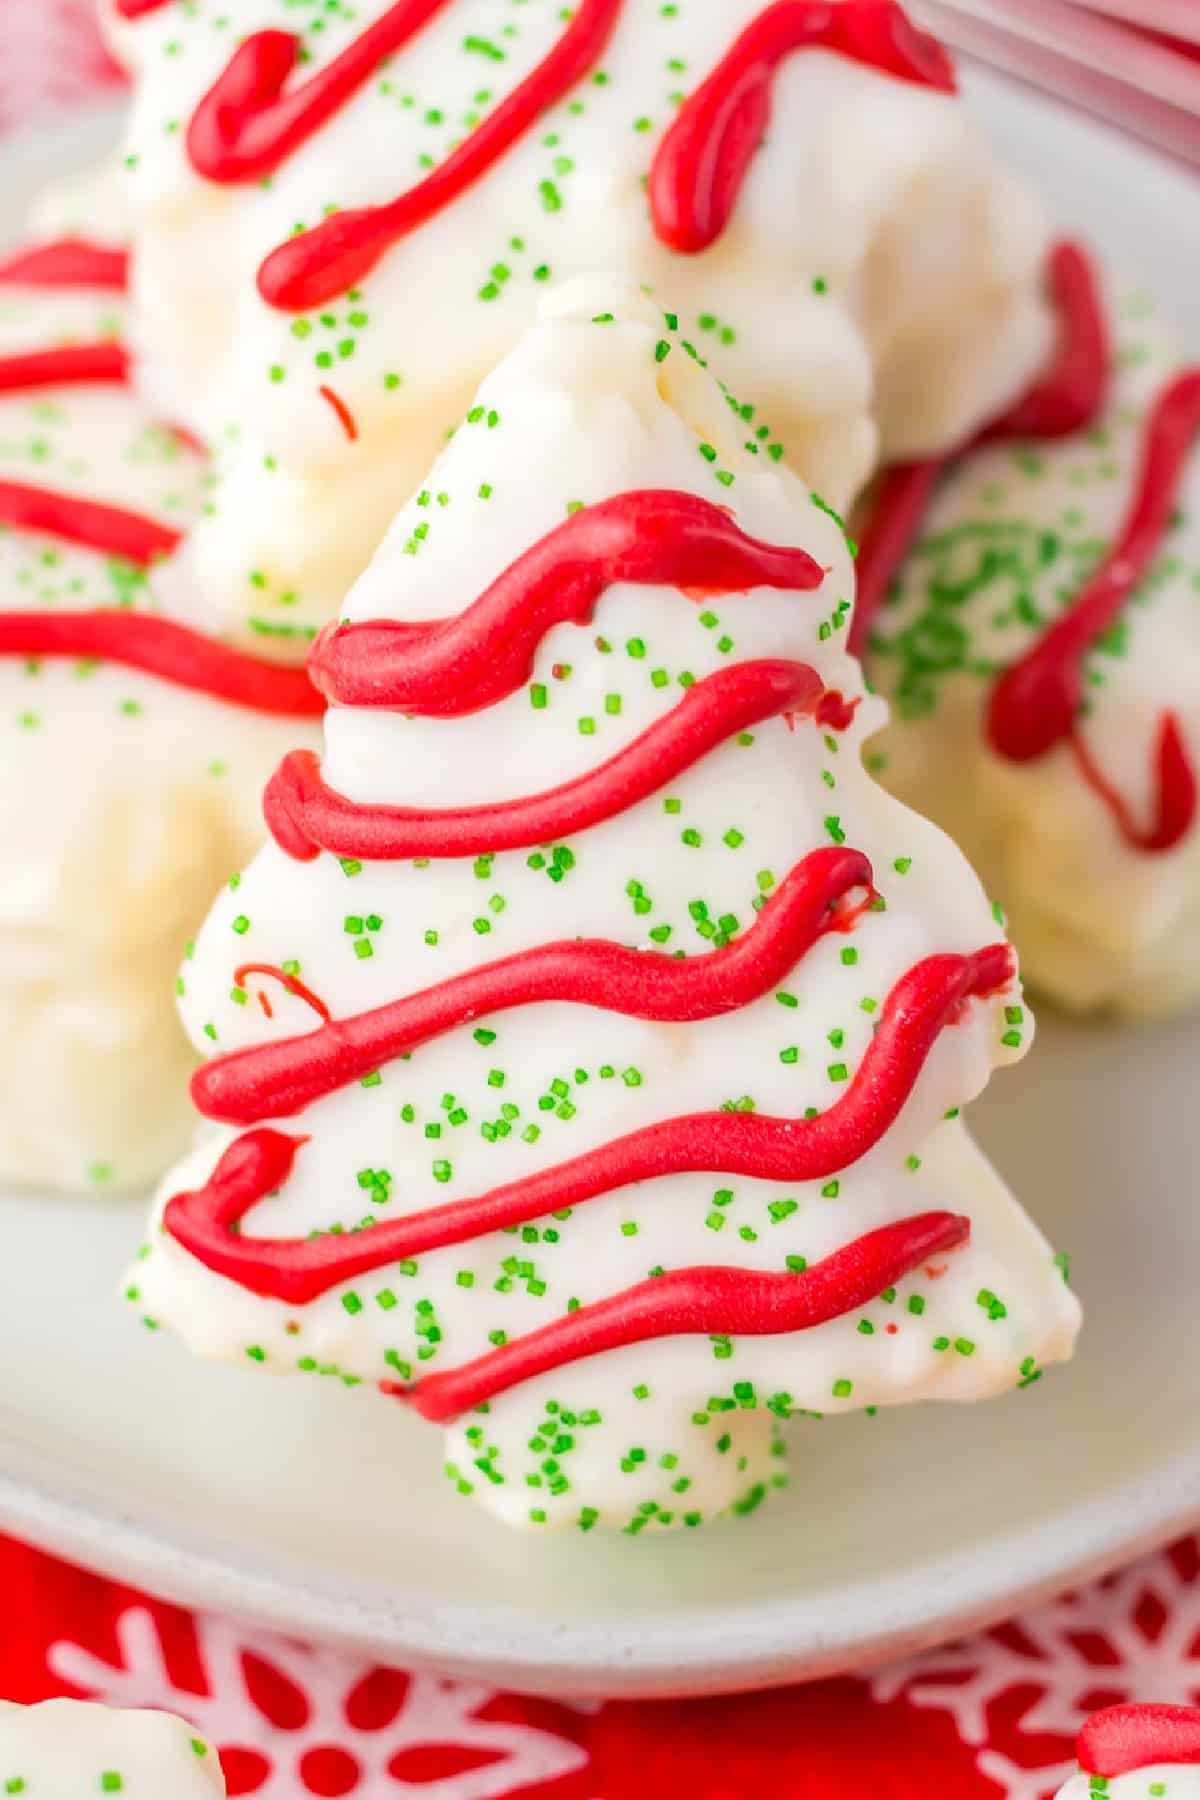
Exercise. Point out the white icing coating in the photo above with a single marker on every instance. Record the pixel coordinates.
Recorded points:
(71, 1750)
(124, 801)
(1098, 923)
(582, 410)
(1165, 1781)
(91, 203)
(876, 192)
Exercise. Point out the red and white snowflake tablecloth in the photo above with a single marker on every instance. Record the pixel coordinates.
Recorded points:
(993, 1717)
(990, 1718)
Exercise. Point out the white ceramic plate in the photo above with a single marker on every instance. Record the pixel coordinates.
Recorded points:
(324, 1514)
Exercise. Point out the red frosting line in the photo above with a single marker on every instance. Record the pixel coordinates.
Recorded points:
(901, 502)
(137, 9)
(1071, 393)
(705, 157)
(160, 647)
(1124, 1739)
(278, 1080)
(67, 263)
(695, 1302)
(1065, 399)
(1175, 789)
(71, 365)
(448, 667)
(1036, 702)
(111, 530)
(928, 998)
(246, 126)
(305, 816)
(291, 983)
(321, 264)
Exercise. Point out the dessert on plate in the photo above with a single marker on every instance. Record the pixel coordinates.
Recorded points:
(588, 1044)
(1039, 646)
(130, 748)
(71, 1750)
(344, 217)
(1138, 1753)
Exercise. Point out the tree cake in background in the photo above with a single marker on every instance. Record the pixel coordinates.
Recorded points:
(132, 749)
(588, 1045)
(1040, 649)
(69, 1750)
(343, 217)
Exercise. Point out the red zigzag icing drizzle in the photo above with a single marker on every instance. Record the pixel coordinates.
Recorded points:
(160, 647)
(1036, 703)
(251, 121)
(654, 537)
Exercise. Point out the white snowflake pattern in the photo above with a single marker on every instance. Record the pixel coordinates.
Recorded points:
(434, 1713)
(1148, 1621)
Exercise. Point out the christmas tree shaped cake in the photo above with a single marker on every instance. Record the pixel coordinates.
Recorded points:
(588, 1045)
(344, 216)
(1040, 647)
(131, 747)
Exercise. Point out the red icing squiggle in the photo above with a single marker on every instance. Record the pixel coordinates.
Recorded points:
(305, 816)
(163, 648)
(1065, 399)
(1070, 394)
(921, 1005)
(111, 530)
(246, 126)
(1124, 1739)
(450, 667)
(902, 499)
(690, 1302)
(1036, 703)
(138, 9)
(67, 263)
(292, 984)
(249, 123)
(277, 1080)
(703, 160)
(70, 365)
(322, 263)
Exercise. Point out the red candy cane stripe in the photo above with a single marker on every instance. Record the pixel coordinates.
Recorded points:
(930, 997)
(305, 816)
(278, 1080)
(67, 263)
(450, 667)
(691, 1302)
(703, 161)
(1123, 1739)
